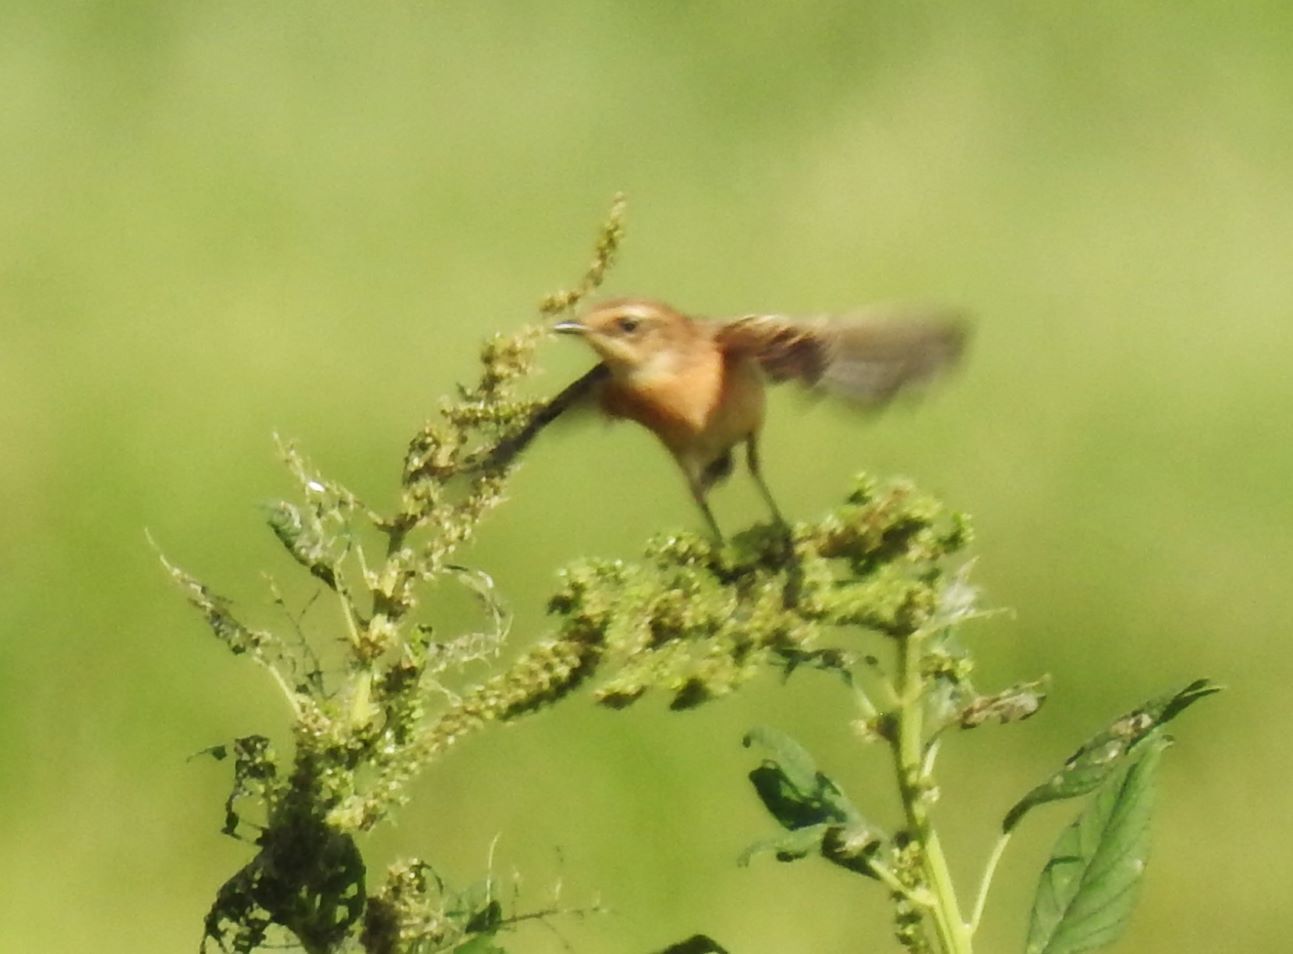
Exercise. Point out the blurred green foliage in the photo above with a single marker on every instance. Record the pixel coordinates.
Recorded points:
(225, 220)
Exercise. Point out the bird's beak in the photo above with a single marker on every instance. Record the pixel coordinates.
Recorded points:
(570, 328)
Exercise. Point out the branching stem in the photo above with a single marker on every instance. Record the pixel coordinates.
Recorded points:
(917, 896)
(913, 783)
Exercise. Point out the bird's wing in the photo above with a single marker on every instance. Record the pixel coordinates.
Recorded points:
(866, 357)
(582, 391)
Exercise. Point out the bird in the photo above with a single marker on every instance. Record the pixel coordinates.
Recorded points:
(698, 384)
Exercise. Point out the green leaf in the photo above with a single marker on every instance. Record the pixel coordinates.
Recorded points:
(487, 919)
(791, 787)
(1090, 765)
(1089, 886)
(799, 843)
(818, 817)
(477, 904)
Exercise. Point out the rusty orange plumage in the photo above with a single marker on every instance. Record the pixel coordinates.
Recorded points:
(698, 385)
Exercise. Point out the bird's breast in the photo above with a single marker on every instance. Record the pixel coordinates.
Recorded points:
(698, 410)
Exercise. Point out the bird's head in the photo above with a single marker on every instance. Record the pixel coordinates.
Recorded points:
(633, 334)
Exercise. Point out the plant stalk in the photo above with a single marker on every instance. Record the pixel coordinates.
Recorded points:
(908, 748)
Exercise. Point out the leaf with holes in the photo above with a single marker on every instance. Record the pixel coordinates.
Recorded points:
(1090, 765)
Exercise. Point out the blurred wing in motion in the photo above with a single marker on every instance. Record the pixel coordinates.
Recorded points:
(582, 392)
(867, 357)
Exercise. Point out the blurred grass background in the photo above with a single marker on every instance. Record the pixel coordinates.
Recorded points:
(226, 220)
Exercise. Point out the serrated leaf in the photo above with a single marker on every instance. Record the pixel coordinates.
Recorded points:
(1095, 761)
(1089, 886)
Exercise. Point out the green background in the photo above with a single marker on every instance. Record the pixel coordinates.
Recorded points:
(225, 220)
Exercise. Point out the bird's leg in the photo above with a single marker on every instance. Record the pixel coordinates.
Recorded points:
(698, 490)
(701, 477)
(752, 458)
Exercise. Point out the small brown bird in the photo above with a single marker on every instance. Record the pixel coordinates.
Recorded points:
(699, 385)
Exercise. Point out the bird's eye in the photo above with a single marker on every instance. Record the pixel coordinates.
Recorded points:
(628, 325)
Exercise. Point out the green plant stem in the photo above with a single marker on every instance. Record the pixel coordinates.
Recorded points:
(989, 870)
(288, 692)
(917, 896)
(908, 748)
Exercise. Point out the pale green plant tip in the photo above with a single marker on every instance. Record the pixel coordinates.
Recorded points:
(365, 728)
(605, 251)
